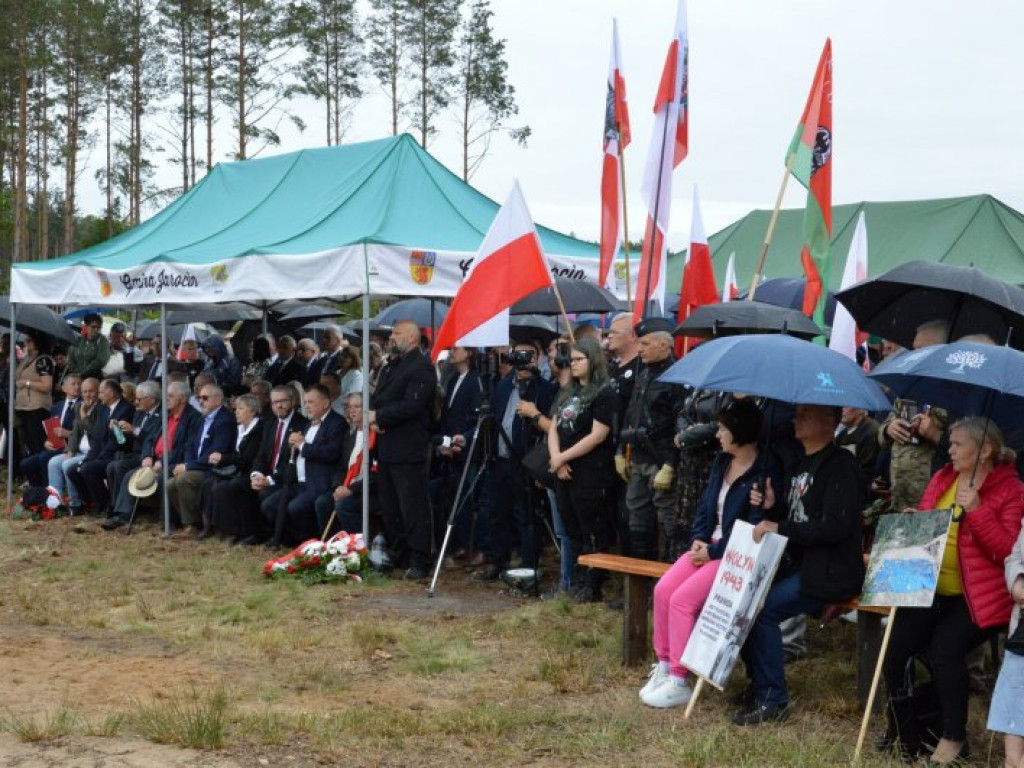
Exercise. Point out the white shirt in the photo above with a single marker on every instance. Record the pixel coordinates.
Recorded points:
(245, 431)
(300, 462)
(719, 507)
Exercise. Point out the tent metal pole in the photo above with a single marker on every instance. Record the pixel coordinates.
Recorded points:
(366, 394)
(265, 324)
(163, 418)
(11, 393)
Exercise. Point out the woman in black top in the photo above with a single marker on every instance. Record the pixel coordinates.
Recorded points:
(582, 457)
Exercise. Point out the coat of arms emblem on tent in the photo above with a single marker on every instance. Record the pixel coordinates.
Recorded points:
(421, 266)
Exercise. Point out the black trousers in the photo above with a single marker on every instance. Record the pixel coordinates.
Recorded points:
(946, 633)
(585, 504)
(90, 479)
(118, 470)
(405, 509)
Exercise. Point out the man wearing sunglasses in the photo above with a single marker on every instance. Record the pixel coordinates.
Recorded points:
(216, 435)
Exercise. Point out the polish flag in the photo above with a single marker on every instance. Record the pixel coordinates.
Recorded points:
(730, 288)
(669, 145)
(188, 335)
(509, 266)
(698, 286)
(616, 137)
(846, 338)
(355, 459)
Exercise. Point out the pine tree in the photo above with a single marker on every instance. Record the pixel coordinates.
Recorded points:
(430, 27)
(484, 96)
(387, 55)
(330, 69)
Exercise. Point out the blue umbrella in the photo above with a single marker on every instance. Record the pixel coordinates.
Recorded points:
(779, 367)
(965, 378)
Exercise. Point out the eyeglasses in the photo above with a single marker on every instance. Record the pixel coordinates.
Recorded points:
(204, 398)
(280, 402)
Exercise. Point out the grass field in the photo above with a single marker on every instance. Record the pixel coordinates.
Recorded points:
(112, 641)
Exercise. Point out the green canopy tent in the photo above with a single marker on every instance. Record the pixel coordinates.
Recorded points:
(380, 216)
(975, 231)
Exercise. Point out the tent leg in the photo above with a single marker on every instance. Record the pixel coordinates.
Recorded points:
(366, 396)
(163, 419)
(13, 359)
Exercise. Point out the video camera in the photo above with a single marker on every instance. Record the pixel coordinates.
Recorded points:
(520, 359)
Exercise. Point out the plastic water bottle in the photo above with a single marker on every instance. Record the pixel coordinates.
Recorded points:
(379, 557)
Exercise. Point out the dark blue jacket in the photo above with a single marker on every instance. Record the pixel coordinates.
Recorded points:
(220, 438)
(188, 429)
(458, 416)
(540, 392)
(103, 446)
(737, 501)
(70, 416)
(325, 453)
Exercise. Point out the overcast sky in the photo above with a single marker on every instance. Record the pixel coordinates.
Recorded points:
(928, 102)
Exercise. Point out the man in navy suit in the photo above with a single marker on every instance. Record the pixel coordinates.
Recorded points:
(317, 453)
(106, 442)
(34, 467)
(216, 435)
(521, 400)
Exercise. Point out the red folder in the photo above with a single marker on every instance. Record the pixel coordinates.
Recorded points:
(51, 425)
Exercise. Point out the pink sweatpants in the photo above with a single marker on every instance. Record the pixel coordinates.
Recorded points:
(679, 597)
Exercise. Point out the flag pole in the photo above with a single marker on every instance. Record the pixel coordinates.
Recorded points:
(771, 227)
(565, 315)
(625, 226)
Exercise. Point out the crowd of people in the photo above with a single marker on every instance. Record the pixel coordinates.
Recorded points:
(572, 441)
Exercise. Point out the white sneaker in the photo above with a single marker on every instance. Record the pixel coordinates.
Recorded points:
(654, 680)
(671, 693)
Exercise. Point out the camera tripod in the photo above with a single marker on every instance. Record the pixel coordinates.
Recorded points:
(486, 420)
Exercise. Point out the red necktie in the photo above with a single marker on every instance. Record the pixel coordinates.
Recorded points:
(277, 444)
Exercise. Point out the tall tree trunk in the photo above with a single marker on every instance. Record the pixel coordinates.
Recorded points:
(71, 148)
(394, 70)
(21, 164)
(241, 81)
(424, 83)
(185, 76)
(209, 85)
(110, 163)
(43, 200)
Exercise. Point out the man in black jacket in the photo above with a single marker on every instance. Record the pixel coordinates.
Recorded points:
(647, 453)
(400, 413)
(823, 562)
(107, 441)
(287, 367)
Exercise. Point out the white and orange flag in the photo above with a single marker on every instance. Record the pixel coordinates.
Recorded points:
(188, 335)
(698, 286)
(509, 266)
(846, 338)
(616, 137)
(669, 145)
(730, 288)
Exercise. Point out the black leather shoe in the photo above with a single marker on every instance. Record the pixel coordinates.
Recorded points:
(112, 523)
(487, 573)
(416, 574)
(762, 713)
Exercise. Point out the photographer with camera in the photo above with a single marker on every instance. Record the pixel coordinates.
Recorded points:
(521, 399)
(647, 455)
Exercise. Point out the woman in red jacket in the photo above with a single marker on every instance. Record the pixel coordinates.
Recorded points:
(971, 604)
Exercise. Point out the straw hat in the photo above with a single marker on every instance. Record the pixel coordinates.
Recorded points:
(143, 483)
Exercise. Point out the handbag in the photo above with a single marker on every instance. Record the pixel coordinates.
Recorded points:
(225, 473)
(537, 463)
(114, 366)
(915, 713)
(1015, 642)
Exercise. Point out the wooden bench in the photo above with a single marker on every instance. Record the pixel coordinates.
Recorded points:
(636, 599)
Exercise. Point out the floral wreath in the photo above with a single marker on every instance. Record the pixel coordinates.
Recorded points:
(343, 557)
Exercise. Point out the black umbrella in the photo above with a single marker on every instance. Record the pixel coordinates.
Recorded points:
(174, 332)
(789, 292)
(210, 314)
(37, 318)
(894, 304)
(732, 318)
(577, 295)
(426, 313)
(311, 312)
(526, 328)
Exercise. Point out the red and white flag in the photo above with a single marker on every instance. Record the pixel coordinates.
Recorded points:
(355, 459)
(669, 145)
(846, 338)
(616, 137)
(698, 286)
(188, 335)
(509, 266)
(730, 288)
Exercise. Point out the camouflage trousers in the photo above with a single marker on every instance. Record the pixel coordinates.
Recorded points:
(653, 517)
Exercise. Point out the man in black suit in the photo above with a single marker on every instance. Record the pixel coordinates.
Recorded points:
(462, 396)
(107, 441)
(400, 413)
(308, 355)
(317, 452)
(34, 467)
(144, 429)
(272, 460)
(287, 366)
(183, 425)
(216, 435)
